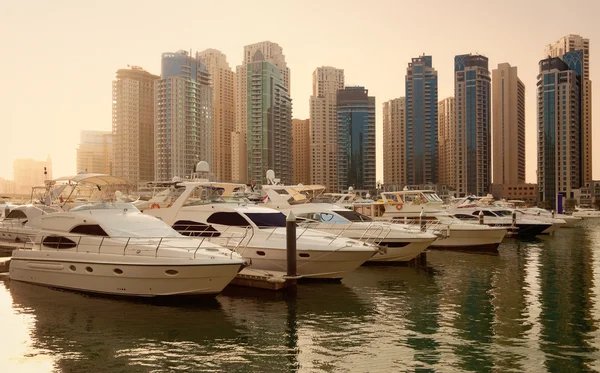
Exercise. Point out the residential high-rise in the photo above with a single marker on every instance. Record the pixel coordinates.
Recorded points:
(301, 153)
(95, 152)
(394, 144)
(273, 53)
(222, 80)
(572, 43)
(447, 139)
(356, 139)
(421, 122)
(559, 126)
(28, 173)
(327, 81)
(473, 118)
(269, 118)
(183, 116)
(508, 126)
(133, 125)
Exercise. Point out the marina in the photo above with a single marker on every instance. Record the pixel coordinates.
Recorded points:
(532, 306)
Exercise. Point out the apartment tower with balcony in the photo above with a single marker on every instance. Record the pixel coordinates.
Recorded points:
(394, 144)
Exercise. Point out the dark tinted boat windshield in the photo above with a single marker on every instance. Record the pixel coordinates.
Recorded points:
(353, 216)
(267, 220)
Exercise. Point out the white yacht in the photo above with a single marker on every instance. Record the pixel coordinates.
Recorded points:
(570, 221)
(115, 249)
(402, 243)
(523, 225)
(407, 205)
(16, 226)
(197, 208)
(582, 212)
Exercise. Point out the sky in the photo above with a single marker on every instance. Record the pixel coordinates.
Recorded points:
(59, 58)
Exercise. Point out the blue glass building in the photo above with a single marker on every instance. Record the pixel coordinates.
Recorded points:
(421, 122)
(559, 94)
(472, 91)
(356, 139)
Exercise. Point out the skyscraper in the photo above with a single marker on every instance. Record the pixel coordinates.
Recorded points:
(95, 152)
(28, 173)
(133, 125)
(473, 117)
(273, 53)
(564, 45)
(301, 146)
(269, 118)
(559, 126)
(508, 108)
(222, 80)
(447, 139)
(183, 116)
(356, 139)
(327, 81)
(394, 144)
(421, 122)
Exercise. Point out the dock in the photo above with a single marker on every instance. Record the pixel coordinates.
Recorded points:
(262, 279)
(4, 264)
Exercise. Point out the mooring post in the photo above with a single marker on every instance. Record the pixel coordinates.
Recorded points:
(422, 220)
(514, 219)
(290, 234)
(481, 217)
(552, 214)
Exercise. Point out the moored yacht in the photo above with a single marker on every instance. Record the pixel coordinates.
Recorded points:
(518, 224)
(115, 249)
(409, 205)
(570, 220)
(582, 212)
(198, 208)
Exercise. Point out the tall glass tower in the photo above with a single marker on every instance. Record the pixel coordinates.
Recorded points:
(356, 139)
(421, 122)
(473, 117)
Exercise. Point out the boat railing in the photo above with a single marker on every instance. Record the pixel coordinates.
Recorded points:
(163, 247)
(371, 233)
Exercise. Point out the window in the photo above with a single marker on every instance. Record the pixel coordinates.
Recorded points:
(92, 230)
(16, 214)
(267, 220)
(353, 216)
(196, 229)
(58, 242)
(228, 218)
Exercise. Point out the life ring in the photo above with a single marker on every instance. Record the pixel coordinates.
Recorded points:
(154, 206)
(399, 206)
(170, 204)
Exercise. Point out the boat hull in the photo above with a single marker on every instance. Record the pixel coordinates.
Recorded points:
(126, 279)
(405, 253)
(314, 264)
(471, 239)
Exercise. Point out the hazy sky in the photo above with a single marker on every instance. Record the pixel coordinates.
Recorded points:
(59, 57)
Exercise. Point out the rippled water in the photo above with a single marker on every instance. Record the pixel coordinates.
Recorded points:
(532, 307)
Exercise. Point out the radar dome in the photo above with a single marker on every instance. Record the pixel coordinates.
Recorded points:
(202, 166)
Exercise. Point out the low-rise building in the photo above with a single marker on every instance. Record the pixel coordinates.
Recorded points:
(522, 191)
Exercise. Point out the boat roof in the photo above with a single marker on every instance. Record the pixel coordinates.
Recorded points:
(96, 179)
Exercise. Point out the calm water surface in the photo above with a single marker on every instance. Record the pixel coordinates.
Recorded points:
(532, 307)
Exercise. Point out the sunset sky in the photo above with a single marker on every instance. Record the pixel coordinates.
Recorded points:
(59, 57)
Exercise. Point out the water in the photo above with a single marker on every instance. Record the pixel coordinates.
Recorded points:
(535, 306)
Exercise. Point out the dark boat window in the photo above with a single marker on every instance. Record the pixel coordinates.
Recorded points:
(196, 229)
(485, 213)
(465, 217)
(228, 218)
(353, 216)
(267, 220)
(16, 214)
(58, 242)
(91, 229)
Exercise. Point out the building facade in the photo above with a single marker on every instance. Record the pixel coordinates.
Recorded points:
(222, 80)
(269, 118)
(394, 144)
(133, 125)
(327, 81)
(28, 173)
(270, 52)
(356, 139)
(559, 126)
(473, 120)
(301, 153)
(560, 48)
(421, 122)
(95, 152)
(183, 116)
(521, 191)
(447, 140)
(508, 114)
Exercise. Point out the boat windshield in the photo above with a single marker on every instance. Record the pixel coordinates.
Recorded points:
(503, 212)
(267, 220)
(353, 216)
(106, 206)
